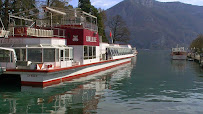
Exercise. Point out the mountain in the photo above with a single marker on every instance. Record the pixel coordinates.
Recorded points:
(156, 25)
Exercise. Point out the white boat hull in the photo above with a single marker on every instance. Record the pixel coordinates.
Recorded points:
(179, 57)
(44, 79)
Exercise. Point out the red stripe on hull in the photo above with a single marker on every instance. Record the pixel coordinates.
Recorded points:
(69, 78)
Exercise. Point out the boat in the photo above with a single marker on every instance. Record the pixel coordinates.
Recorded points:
(179, 53)
(44, 52)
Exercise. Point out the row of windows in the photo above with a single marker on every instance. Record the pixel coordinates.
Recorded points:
(89, 52)
(119, 51)
(48, 55)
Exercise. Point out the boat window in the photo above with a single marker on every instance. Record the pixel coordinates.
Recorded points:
(94, 52)
(113, 52)
(110, 50)
(90, 52)
(120, 51)
(57, 55)
(49, 55)
(4, 55)
(67, 54)
(11, 56)
(23, 55)
(35, 55)
(71, 54)
(85, 52)
(17, 53)
(61, 55)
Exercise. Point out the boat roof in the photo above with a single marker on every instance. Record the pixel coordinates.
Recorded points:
(9, 49)
(33, 46)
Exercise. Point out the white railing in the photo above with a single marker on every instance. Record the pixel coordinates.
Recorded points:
(178, 49)
(86, 25)
(39, 32)
(4, 33)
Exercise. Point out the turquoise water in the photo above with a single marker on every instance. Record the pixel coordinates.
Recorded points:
(152, 83)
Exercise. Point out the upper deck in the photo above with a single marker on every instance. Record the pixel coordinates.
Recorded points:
(51, 18)
(178, 49)
(73, 25)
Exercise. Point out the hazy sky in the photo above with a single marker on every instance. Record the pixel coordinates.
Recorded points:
(105, 4)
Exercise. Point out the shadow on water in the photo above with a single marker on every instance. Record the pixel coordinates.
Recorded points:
(80, 95)
(10, 83)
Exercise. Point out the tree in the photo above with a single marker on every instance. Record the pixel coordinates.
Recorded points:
(14, 6)
(59, 5)
(197, 44)
(120, 32)
(101, 20)
(1, 8)
(86, 6)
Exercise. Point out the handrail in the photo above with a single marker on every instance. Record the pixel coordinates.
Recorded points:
(2, 24)
(77, 21)
(38, 32)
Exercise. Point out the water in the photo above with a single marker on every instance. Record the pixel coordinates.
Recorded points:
(151, 84)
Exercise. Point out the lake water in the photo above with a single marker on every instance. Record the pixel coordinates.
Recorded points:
(152, 83)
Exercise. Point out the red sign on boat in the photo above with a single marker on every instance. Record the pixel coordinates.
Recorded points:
(82, 37)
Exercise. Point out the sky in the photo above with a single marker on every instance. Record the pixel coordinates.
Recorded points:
(105, 4)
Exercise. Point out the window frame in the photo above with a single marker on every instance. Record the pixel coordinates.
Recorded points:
(89, 52)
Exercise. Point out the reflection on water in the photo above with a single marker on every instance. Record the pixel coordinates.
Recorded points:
(152, 83)
(178, 65)
(77, 96)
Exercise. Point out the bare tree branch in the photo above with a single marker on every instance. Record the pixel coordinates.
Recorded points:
(119, 29)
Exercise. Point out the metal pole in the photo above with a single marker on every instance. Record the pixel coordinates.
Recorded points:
(2, 24)
(51, 19)
(112, 39)
(91, 23)
(9, 19)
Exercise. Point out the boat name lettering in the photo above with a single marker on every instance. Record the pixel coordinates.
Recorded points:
(31, 75)
(91, 39)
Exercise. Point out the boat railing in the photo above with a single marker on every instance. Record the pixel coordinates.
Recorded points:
(22, 31)
(80, 23)
(178, 49)
(71, 23)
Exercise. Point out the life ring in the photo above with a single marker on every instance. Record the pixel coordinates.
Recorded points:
(20, 30)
